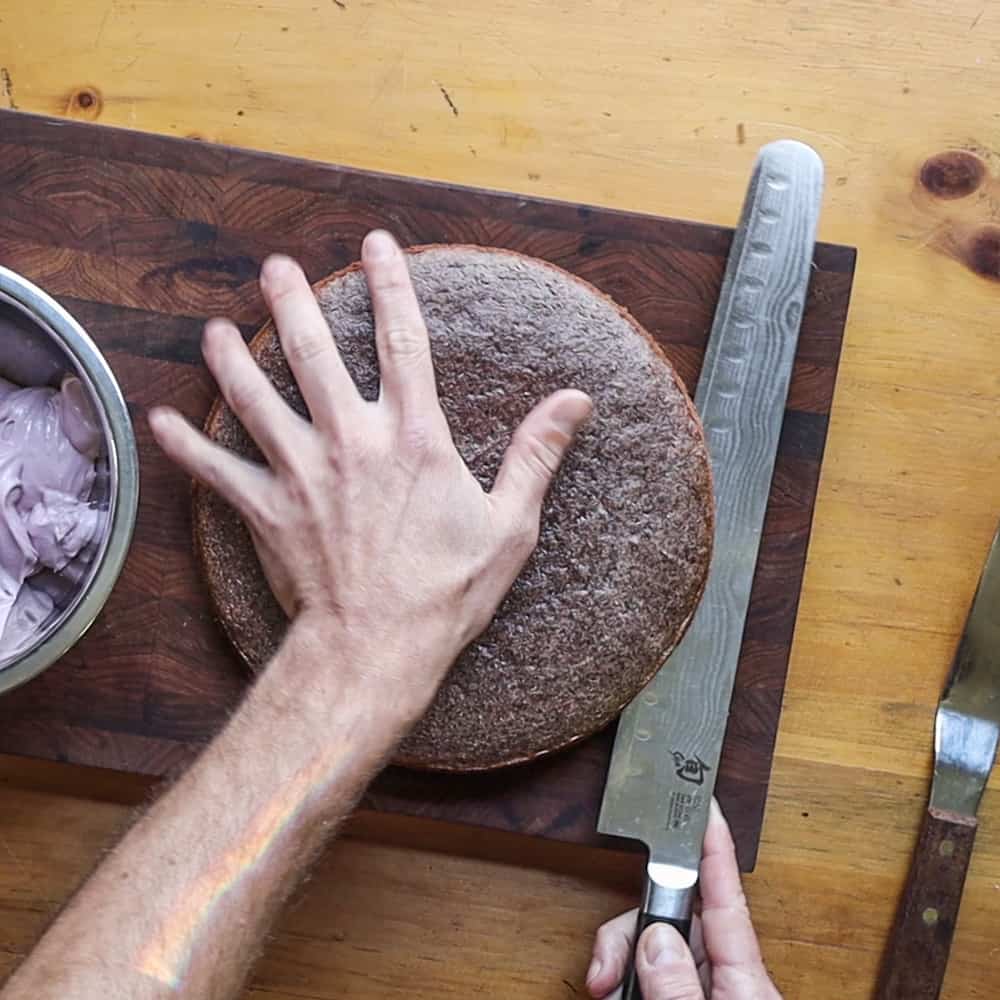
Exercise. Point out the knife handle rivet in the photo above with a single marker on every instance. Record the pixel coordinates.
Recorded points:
(650, 699)
(946, 848)
(930, 916)
(642, 735)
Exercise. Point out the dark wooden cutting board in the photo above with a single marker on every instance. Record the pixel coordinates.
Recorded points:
(143, 237)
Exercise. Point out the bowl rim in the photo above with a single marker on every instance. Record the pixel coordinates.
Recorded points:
(123, 462)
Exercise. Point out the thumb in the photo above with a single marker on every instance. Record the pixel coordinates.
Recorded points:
(665, 966)
(537, 449)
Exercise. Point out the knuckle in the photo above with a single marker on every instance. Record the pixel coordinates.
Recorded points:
(283, 286)
(361, 444)
(419, 437)
(244, 494)
(264, 516)
(350, 446)
(736, 905)
(604, 938)
(216, 339)
(296, 469)
(393, 280)
(296, 490)
(244, 396)
(305, 348)
(304, 459)
(209, 471)
(303, 495)
(406, 342)
(542, 458)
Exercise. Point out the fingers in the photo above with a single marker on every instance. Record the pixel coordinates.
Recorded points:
(235, 479)
(404, 350)
(326, 385)
(612, 948)
(665, 966)
(537, 450)
(246, 389)
(730, 939)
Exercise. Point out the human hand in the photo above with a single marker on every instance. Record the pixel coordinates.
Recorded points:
(723, 962)
(367, 522)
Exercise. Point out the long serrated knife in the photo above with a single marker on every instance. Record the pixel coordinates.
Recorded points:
(669, 740)
(966, 731)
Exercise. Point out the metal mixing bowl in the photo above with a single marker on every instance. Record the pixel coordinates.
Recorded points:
(46, 344)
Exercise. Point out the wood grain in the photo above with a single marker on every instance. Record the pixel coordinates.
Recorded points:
(103, 219)
(636, 105)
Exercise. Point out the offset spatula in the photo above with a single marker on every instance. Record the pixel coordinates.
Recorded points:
(965, 745)
(669, 740)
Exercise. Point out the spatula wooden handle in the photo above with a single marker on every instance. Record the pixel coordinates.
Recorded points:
(917, 954)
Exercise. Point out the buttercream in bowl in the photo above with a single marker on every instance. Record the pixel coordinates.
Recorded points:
(49, 448)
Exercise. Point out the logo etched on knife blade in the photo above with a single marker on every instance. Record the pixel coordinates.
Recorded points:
(690, 768)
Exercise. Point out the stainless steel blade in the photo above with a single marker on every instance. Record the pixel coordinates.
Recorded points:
(669, 740)
(968, 716)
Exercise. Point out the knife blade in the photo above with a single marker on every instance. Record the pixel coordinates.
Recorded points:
(966, 728)
(668, 744)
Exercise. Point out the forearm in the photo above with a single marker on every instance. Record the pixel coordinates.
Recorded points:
(180, 906)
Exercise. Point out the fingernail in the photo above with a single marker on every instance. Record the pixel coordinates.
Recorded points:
(275, 266)
(662, 945)
(217, 326)
(379, 245)
(595, 969)
(565, 425)
(157, 415)
(571, 415)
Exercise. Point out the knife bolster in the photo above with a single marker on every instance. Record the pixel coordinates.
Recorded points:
(669, 893)
(668, 898)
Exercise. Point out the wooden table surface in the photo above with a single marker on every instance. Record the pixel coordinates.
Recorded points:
(659, 107)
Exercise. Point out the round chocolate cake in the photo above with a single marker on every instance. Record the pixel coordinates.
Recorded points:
(626, 530)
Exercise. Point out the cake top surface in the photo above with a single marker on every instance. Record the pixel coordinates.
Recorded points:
(626, 528)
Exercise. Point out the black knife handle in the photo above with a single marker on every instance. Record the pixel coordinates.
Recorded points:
(917, 954)
(630, 989)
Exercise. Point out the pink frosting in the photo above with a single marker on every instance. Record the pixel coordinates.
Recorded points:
(49, 443)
